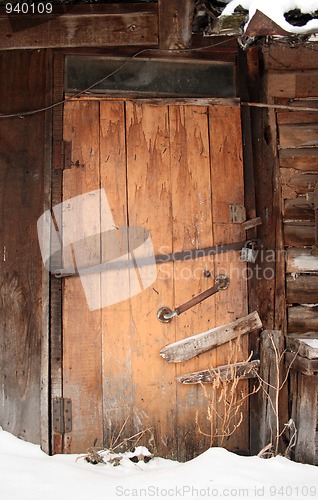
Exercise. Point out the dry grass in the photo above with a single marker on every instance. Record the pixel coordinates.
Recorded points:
(225, 400)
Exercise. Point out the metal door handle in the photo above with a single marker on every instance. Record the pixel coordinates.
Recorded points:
(165, 314)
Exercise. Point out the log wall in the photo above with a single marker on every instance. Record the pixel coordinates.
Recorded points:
(291, 78)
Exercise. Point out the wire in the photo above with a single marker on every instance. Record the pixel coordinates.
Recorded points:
(22, 114)
(59, 103)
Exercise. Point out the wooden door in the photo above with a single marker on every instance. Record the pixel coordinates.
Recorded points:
(174, 170)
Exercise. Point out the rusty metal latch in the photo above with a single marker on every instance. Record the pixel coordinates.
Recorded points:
(165, 315)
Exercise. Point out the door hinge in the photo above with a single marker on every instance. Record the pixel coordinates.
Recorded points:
(62, 155)
(62, 415)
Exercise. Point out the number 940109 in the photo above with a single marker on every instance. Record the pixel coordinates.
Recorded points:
(29, 8)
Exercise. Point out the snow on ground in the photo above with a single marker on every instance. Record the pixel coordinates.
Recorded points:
(27, 473)
(275, 9)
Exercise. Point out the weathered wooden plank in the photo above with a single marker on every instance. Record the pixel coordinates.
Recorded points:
(165, 101)
(304, 413)
(82, 343)
(192, 228)
(299, 117)
(149, 191)
(305, 347)
(250, 224)
(175, 24)
(294, 184)
(281, 56)
(271, 374)
(223, 373)
(227, 163)
(302, 289)
(302, 365)
(302, 319)
(22, 163)
(299, 208)
(301, 260)
(292, 83)
(299, 135)
(56, 349)
(193, 346)
(301, 159)
(83, 26)
(299, 234)
(118, 399)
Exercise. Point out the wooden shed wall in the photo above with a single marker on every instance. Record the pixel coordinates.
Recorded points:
(23, 159)
(291, 77)
(293, 81)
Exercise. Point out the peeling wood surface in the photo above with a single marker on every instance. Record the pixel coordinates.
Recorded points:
(280, 56)
(175, 23)
(304, 391)
(299, 135)
(302, 319)
(302, 289)
(82, 26)
(301, 260)
(223, 373)
(302, 365)
(22, 160)
(292, 83)
(271, 340)
(193, 346)
(305, 347)
(82, 347)
(151, 159)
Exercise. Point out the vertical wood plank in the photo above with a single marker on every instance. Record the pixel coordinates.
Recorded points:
(22, 163)
(192, 229)
(149, 206)
(271, 373)
(305, 416)
(228, 189)
(82, 347)
(175, 23)
(118, 391)
(56, 349)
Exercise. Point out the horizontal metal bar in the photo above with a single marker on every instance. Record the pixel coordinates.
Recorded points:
(148, 260)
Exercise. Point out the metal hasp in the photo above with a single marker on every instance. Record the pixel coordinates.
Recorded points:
(165, 314)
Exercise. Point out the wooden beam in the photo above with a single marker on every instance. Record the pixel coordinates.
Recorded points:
(302, 289)
(304, 392)
(303, 365)
(224, 373)
(301, 260)
(302, 319)
(175, 24)
(271, 373)
(82, 26)
(306, 347)
(192, 346)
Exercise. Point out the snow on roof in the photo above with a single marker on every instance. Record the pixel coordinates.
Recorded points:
(276, 10)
